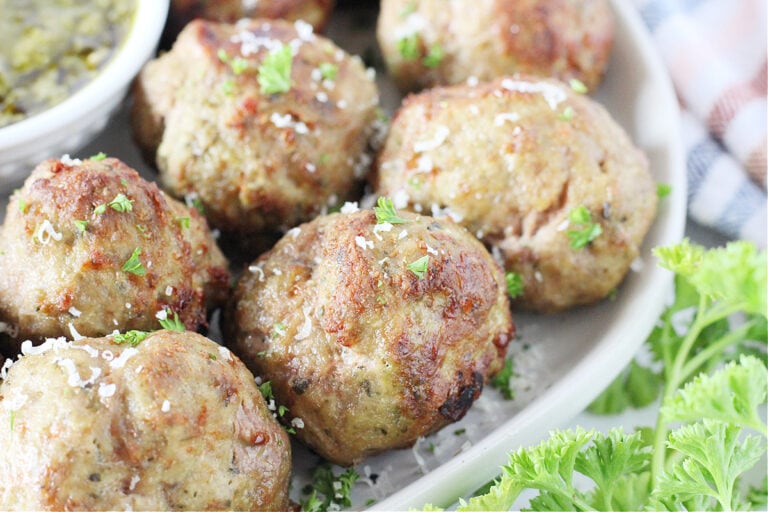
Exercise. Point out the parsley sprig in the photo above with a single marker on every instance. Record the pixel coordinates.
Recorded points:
(709, 430)
(419, 267)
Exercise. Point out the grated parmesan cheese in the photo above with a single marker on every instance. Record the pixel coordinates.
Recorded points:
(45, 232)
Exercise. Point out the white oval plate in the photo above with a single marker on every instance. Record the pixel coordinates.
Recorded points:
(562, 361)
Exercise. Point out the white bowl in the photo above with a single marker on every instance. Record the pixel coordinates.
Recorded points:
(69, 125)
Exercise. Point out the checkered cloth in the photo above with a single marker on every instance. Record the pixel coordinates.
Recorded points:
(715, 51)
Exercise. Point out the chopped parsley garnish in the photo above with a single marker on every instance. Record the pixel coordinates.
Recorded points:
(566, 114)
(133, 265)
(503, 380)
(238, 64)
(329, 491)
(98, 156)
(212, 356)
(121, 203)
(385, 212)
(172, 323)
(419, 267)
(183, 222)
(328, 70)
(132, 338)
(100, 209)
(275, 71)
(228, 86)
(278, 329)
(81, 225)
(266, 390)
(22, 205)
(663, 190)
(409, 47)
(514, 284)
(578, 86)
(434, 56)
(459, 431)
(590, 230)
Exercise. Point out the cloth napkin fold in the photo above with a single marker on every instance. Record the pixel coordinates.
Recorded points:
(716, 52)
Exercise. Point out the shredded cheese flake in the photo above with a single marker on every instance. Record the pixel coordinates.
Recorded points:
(45, 232)
(440, 136)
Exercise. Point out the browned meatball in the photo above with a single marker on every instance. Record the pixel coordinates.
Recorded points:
(372, 334)
(173, 422)
(434, 42)
(90, 247)
(529, 166)
(314, 12)
(265, 139)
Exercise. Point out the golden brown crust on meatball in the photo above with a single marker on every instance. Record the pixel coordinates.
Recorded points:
(439, 42)
(70, 264)
(368, 355)
(175, 422)
(314, 12)
(511, 160)
(257, 159)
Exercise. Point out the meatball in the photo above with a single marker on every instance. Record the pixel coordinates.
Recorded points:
(314, 12)
(372, 334)
(266, 122)
(173, 421)
(535, 170)
(434, 42)
(90, 247)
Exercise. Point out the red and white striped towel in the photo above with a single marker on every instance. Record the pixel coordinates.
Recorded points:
(717, 55)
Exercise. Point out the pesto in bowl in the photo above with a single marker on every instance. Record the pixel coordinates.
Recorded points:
(51, 48)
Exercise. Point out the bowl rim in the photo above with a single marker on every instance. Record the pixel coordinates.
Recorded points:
(139, 45)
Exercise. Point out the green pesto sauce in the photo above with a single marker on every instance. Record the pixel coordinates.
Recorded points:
(51, 48)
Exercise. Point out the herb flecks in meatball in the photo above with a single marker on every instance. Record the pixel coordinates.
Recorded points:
(168, 421)
(537, 171)
(91, 247)
(374, 328)
(266, 123)
(441, 42)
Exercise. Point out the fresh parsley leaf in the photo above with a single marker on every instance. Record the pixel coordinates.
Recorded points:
(98, 156)
(409, 47)
(22, 205)
(514, 284)
(636, 387)
(663, 190)
(419, 267)
(714, 458)
(172, 323)
(132, 338)
(275, 71)
(385, 212)
(99, 209)
(731, 395)
(133, 265)
(434, 57)
(503, 380)
(328, 71)
(590, 230)
(183, 222)
(566, 114)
